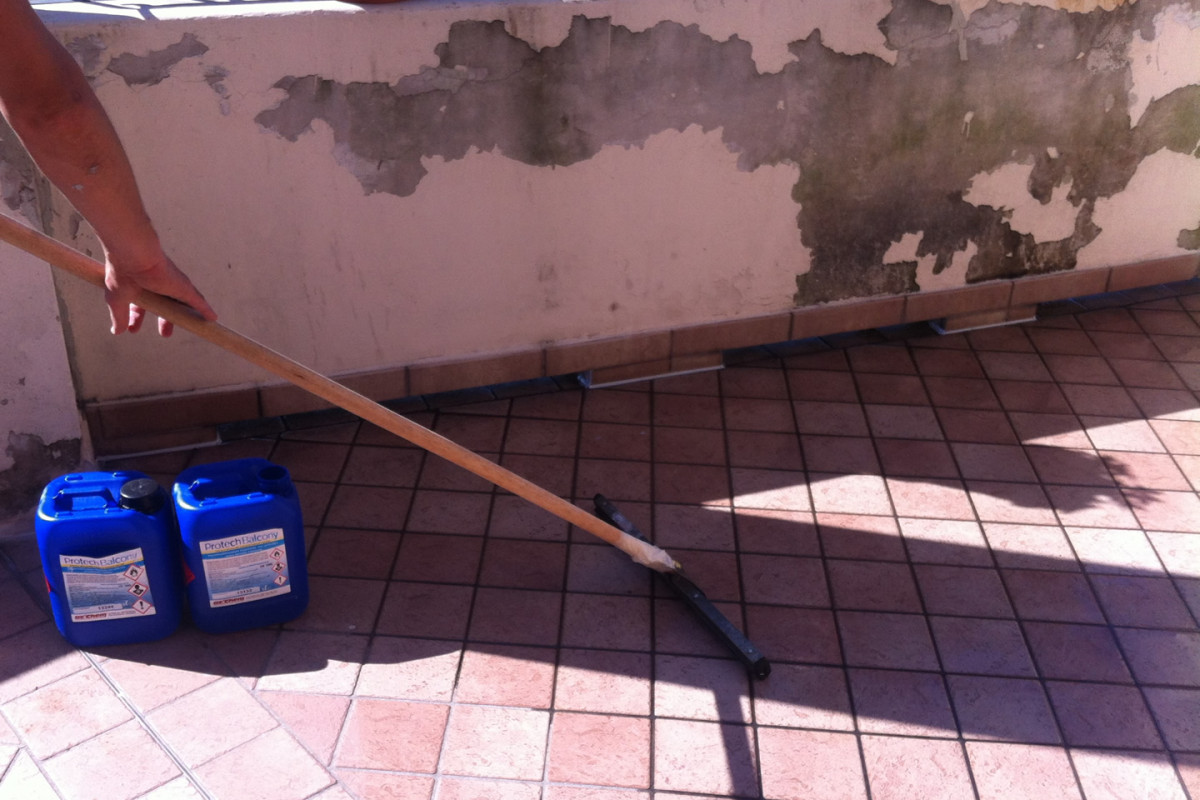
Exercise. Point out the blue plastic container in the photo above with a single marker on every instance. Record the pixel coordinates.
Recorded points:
(110, 556)
(242, 538)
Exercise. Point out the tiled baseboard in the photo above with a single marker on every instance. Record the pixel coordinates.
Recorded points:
(147, 424)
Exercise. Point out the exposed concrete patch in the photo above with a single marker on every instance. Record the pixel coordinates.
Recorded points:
(1167, 60)
(883, 150)
(33, 464)
(155, 67)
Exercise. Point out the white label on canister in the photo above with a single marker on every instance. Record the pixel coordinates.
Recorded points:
(110, 587)
(246, 567)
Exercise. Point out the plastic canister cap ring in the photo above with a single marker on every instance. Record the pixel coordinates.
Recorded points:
(143, 495)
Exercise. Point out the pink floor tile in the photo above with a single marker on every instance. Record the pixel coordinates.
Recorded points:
(159, 672)
(689, 445)
(1165, 511)
(1050, 430)
(425, 609)
(861, 536)
(793, 634)
(409, 669)
(616, 480)
(197, 735)
(1005, 771)
(1146, 471)
(1162, 657)
(945, 541)
(1031, 396)
(603, 681)
(607, 621)
(1180, 552)
(950, 392)
(822, 386)
(1022, 503)
(1136, 600)
(800, 696)
(779, 490)
(982, 646)
(907, 458)
(1177, 712)
(62, 714)
(613, 405)
(502, 675)
(783, 532)
(874, 639)
(477, 789)
(915, 769)
(375, 507)
(1076, 652)
(121, 763)
(975, 425)
(767, 383)
(708, 757)
(617, 440)
(1051, 596)
(517, 518)
(898, 389)
(592, 748)
(448, 512)
(496, 742)
(800, 764)
(353, 554)
(783, 580)
(707, 527)
(1030, 546)
(873, 586)
(1099, 715)
(948, 589)
(340, 605)
(601, 568)
(1114, 551)
(751, 414)
(1104, 401)
(392, 735)
(844, 494)
(1065, 465)
(515, 616)
(523, 564)
(758, 449)
(384, 466)
(691, 484)
(930, 498)
(1014, 366)
(1003, 709)
(901, 703)
(314, 719)
(438, 558)
(853, 454)
(687, 411)
(688, 687)
(1115, 773)
(993, 462)
(950, 363)
(903, 422)
(366, 783)
(1114, 433)
(830, 418)
(240, 773)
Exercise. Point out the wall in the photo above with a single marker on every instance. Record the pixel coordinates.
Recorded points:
(393, 187)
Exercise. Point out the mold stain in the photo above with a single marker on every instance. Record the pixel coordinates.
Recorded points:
(155, 67)
(34, 463)
(883, 150)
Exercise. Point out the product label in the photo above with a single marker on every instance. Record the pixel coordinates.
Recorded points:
(246, 567)
(105, 588)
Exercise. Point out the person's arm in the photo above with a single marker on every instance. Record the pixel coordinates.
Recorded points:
(52, 108)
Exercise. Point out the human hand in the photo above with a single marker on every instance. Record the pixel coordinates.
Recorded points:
(122, 286)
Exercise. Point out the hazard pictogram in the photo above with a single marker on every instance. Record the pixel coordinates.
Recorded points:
(141, 606)
(281, 580)
(138, 589)
(134, 572)
(278, 566)
(277, 554)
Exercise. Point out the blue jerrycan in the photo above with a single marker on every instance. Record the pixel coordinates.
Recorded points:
(242, 537)
(110, 557)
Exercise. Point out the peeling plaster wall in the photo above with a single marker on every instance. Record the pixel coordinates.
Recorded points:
(363, 188)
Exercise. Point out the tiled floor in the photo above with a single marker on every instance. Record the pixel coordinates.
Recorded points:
(974, 561)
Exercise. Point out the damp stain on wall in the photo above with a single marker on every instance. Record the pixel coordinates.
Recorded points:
(884, 150)
(34, 463)
(155, 66)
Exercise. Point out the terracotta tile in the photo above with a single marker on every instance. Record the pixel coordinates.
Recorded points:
(690, 483)
(378, 508)
(495, 742)
(340, 605)
(764, 449)
(463, 513)
(425, 609)
(1120, 344)
(816, 385)
(1080, 369)
(314, 719)
(1062, 341)
(1005, 709)
(516, 518)
(976, 425)
(1177, 712)
(798, 764)
(915, 769)
(687, 411)
(1091, 506)
(751, 381)
(1030, 546)
(1009, 366)
(183, 789)
(24, 779)
(385, 784)
(917, 459)
(245, 653)
(438, 558)
(35, 657)
(782, 580)
(353, 554)
(608, 621)
(902, 703)
(1141, 601)
(1189, 771)
(881, 358)
(1031, 396)
(754, 414)
(852, 454)
(1050, 430)
(947, 363)
(311, 461)
(121, 763)
(1064, 465)
(689, 445)
(616, 405)
(616, 480)
(1144, 273)
(832, 418)
(874, 639)
(1051, 596)
(953, 392)
(690, 687)
(1026, 503)
(844, 494)
(515, 616)
(62, 714)
(1162, 657)
(903, 422)
(1112, 401)
(1114, 551)
(161, 671)
(1180, 552)
(601, 568)
(1021, 772)
(982, 646)
(993, 462)
(896, 389)
(873, 586)
(197, 735)
(437, 473)
(1002, 338)
(718, 573)
(392, 735)
(1076, 652)
(1165, 511)
(20, 611)
(780, 490)
(239, 773)
(1180, 350)
(691, 526)
(524, 564)
(1101, 715)
(1146, 374)
(709, 757)
(615, 441)
(1146, 471)
(801, 696)
(1114, 433)
(314, 662)
(475, 432)
(603, 681)
(783, 532)
(858, 536)
(475, 789)
(502, 675)
(791, 634)
(591, 748)
(1109, 319)
(1109, 773)
(409, 669)
(937, 498)
(969, 591)
(1166, 322)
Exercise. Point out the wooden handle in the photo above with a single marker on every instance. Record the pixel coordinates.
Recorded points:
(59, 255)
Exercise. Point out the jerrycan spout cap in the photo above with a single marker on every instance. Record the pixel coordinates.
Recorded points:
(143, 495)
(274, 479)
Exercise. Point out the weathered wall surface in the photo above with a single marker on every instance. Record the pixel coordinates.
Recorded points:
(363, 188)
